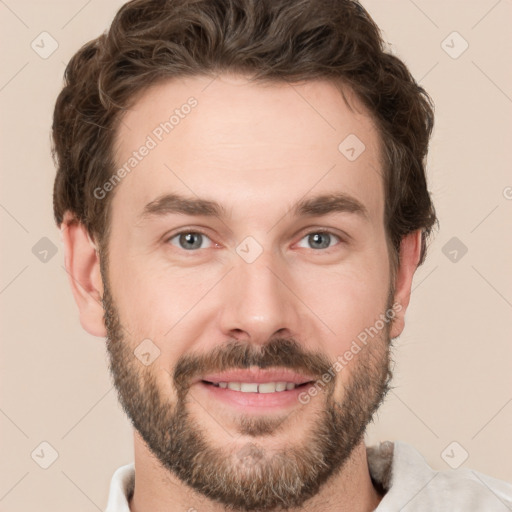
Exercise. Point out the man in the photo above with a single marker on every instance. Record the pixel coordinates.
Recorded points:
(242, 197)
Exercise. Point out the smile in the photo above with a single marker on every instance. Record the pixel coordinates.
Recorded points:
(253, 387)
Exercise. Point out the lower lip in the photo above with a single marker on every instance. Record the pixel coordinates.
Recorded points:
(259, 402)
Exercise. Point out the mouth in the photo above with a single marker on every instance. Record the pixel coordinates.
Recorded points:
(255, 390)
(255, 387)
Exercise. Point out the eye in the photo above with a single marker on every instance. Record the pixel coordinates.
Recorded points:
(320, 239)
(189, 240)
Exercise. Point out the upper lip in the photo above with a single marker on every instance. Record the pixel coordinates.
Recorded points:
(258, 376)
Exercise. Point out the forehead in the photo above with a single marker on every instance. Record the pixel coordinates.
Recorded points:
(246, 145)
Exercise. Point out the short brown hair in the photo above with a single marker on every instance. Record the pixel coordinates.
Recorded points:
(269, 40)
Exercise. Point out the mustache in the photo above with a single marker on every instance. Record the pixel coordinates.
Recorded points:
(233, 355)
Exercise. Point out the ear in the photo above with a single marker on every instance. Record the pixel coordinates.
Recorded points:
(410, 250)
(82, 264)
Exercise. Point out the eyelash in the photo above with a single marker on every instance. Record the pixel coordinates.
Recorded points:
(313, 231)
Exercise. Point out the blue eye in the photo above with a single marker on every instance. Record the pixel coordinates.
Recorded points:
(189, 240)
(320, 239)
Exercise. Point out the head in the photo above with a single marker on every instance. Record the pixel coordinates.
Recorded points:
(294, 127)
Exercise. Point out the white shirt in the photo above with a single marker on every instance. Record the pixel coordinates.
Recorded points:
(410, 484)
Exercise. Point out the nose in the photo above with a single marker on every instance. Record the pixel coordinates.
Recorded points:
(258, 301)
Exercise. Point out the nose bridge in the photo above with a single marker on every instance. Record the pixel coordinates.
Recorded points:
(256, 300)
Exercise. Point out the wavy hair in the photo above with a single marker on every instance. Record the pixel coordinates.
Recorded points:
(267, 40)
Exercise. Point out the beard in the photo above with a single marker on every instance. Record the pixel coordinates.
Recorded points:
(247, 476)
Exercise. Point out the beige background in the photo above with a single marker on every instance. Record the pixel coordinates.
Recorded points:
(453, 379)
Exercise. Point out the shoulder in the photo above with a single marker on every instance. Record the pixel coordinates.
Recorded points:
(471, 490)
(412, 485)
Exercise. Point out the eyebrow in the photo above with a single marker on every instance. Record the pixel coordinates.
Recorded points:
(320, 205)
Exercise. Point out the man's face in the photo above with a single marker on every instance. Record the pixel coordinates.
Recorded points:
(259, 286)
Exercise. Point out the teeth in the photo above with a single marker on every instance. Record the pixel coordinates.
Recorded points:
(268, 387)
(248, 387)
(281, 386)
(252, 387)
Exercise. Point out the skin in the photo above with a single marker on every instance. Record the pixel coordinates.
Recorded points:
(256, 149)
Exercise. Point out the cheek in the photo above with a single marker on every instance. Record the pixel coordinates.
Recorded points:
(348, 299)
(158, 300)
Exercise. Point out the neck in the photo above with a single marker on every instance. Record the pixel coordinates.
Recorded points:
(156, 489)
